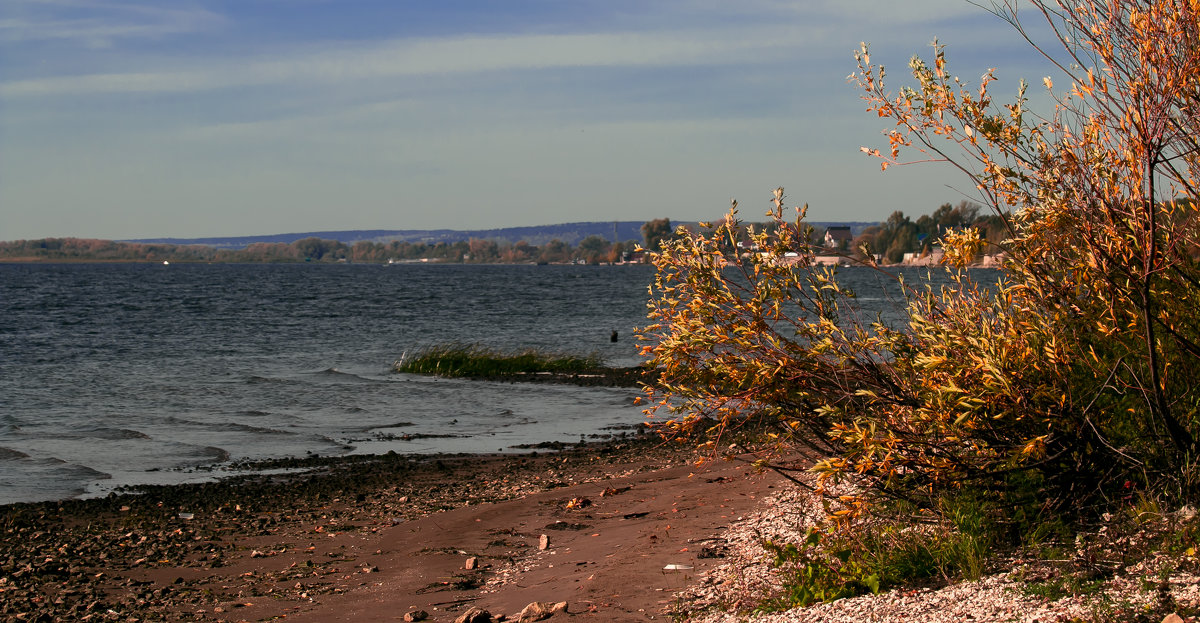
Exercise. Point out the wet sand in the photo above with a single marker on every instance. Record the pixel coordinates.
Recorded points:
(376, 538)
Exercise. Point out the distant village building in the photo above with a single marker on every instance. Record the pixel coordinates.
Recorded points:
(838, 237)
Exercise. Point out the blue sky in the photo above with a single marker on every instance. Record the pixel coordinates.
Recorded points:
(128, 119)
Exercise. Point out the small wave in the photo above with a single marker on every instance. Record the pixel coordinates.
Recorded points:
(334, 373)
(8, 454)
(107, 434)
(49, 479)
(254, 413)
(246, 428)
(74, 470)
(518, 422)
(507, 418)
(345, 447)
(114, 433)
(87, 472)
(254, 379)
(394, 425)
(219, 455)
(174, 420)
(189, 457)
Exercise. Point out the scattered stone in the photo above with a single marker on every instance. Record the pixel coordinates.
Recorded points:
(543, 542)
(1173, 618)
(416, 615)
(471, 563)
(475, 615)
(540, 610)
(76, 560)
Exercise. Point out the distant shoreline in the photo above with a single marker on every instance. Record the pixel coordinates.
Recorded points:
(60, 261)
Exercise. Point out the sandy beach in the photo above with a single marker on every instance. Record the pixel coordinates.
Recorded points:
(626, 530)
(613, 529)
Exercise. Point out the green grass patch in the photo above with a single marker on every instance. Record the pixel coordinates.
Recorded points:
(952, 542)
(474, 361)
(1054, 589)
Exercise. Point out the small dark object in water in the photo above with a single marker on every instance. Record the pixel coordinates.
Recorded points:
(614, 337)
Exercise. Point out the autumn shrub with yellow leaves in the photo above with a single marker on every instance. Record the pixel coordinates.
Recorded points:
(1053, 392)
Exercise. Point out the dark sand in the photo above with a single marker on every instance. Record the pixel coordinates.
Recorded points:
(373, 538)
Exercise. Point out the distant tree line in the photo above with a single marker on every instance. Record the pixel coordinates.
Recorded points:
(890, 240)
(887, 242)
(899, 235)
(591, 250)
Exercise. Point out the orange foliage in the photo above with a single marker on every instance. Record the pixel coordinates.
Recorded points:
(1076, 371)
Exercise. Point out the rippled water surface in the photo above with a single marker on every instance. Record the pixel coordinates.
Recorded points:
(117, 374)
(112, 374)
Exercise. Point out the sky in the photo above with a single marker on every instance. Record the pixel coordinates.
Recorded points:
(130, 119)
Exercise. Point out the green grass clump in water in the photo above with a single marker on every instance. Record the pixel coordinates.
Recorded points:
(458, 360)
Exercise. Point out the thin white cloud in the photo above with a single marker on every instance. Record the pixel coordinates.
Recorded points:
(428, 57)
(100, 24)
(785, 30)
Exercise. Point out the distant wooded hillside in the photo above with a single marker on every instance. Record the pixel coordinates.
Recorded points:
(593, 243)
(539, 235)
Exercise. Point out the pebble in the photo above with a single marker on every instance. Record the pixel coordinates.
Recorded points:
(474, 615)
(540, 610)
(85, 559)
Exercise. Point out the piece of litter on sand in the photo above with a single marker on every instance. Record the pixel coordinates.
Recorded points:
(675, 567)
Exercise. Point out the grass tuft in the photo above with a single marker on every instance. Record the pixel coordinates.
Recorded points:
(951, 542)
(473, 360)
